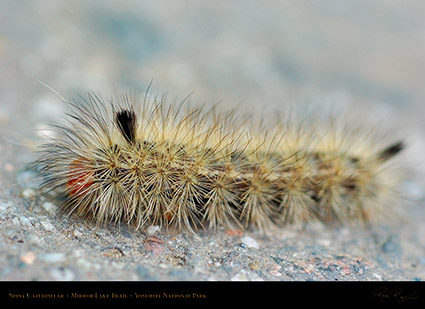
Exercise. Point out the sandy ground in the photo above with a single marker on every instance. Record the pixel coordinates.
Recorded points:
(267, 54)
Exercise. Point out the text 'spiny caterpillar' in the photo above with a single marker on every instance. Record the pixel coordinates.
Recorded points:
(145, 163)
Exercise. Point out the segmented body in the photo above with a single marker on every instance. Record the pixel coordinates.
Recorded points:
(144, 163)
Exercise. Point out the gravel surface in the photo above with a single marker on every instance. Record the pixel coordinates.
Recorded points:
(355, 54)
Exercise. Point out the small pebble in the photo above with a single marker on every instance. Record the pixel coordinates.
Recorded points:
(276, 271)
(47, 225)
(154, 244)
(113, 253)
(254, 266)
(250, 242)
(76, 233)
(152, 229)
(28, 258)
(234, 232)
(49, 207)
(28, 193)
(325, 242)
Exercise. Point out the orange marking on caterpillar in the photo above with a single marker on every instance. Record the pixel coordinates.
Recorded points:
(79, 178)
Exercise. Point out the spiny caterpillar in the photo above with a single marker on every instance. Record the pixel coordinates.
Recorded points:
(143, 163)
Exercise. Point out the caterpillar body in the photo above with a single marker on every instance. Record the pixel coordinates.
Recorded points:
(143, 162)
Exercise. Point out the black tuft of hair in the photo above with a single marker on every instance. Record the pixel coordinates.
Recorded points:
(126, 121)
(391, 151)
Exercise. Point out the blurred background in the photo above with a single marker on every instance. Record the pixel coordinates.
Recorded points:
(269, 54)
(256, 52)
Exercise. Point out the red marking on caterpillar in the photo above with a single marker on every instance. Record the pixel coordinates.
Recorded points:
(79, 177)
